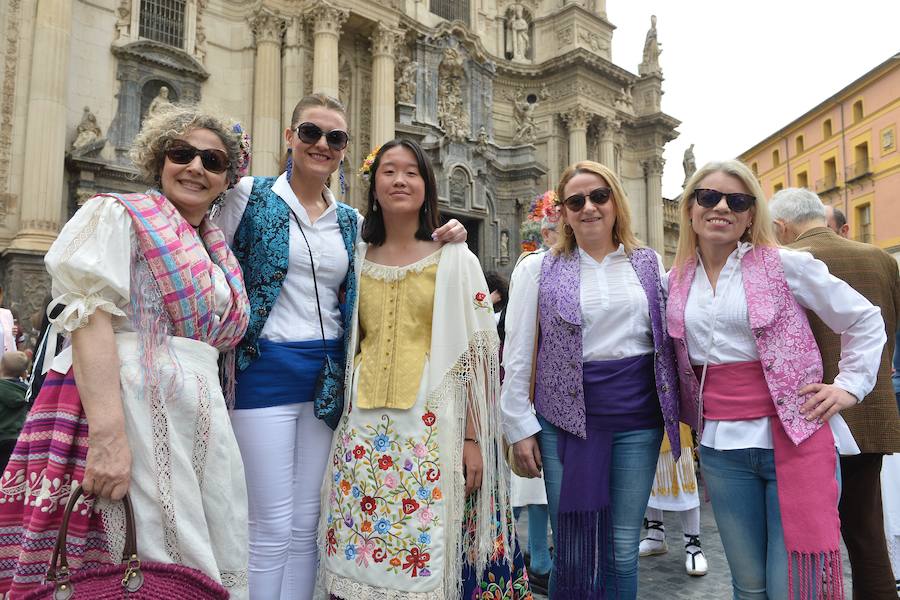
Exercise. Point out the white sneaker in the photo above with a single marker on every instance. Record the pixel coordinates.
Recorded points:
(651, 547)
(694, 562)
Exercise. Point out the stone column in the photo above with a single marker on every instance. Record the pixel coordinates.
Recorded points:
(327, 21)
(577, 120)
(45, 129)
(293, 64)
(268, 30)
(384, 45)
(611, 127)
(653, 170)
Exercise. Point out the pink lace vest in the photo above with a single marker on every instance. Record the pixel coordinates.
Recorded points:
(784, 340)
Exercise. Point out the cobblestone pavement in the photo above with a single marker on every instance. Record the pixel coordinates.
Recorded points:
(663, 577)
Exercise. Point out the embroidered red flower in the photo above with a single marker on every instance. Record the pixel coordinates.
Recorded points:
(480, 296)
(359, 452)
(429, 418)
(378, 554)
(410, 506)
(433, 475)
(385, 462)
(415, 560)
(368, 504)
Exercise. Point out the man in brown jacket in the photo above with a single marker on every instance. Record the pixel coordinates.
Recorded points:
(800, 223)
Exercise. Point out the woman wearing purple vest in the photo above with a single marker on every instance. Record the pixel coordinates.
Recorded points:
(604, 386)
(751, 384)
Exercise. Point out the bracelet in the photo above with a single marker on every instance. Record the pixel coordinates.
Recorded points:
(473, 440)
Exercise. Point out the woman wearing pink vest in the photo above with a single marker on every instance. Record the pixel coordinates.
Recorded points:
(751, 384)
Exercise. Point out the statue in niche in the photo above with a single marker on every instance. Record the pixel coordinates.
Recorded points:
(459, 189)
(689, 164)
(524, 115)
(406, 80)
(452, 115)
(482, 140)
(518, 40)
(88, 137)
(504, 247)
(652, 49)
(161, 101)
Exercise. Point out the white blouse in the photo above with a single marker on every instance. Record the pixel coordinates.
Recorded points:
(839, 306)
(615, 324)
(294, 317)
(90, 265)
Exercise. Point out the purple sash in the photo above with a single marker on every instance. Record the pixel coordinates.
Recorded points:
(620, 395)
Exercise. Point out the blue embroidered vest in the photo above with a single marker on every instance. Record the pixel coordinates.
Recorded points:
(261, 246)
(559, 389)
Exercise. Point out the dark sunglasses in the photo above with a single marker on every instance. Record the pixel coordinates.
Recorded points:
(598, 196)
(181, 153)
(736, 202)
(310, 133)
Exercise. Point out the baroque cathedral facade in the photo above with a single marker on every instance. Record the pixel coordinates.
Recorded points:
(502, 94)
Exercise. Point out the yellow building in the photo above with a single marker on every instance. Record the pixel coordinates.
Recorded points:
(844, 149)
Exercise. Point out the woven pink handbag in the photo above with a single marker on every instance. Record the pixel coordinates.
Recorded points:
(130, 580)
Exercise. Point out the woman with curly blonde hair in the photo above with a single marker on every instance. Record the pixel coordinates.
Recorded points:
(149, 293)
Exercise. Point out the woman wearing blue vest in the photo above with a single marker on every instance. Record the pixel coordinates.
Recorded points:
(279, 228)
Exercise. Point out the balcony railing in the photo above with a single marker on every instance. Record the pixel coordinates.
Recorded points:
(826, 184)
(858, 169)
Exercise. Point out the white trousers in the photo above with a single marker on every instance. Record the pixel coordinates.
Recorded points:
(285, 451)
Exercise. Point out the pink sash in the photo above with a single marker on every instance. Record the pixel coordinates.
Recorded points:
(805, 474)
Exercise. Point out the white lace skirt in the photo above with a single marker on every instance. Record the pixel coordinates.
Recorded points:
(187, 481)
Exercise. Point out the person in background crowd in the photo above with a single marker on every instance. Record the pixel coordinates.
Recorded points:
(416, 500)
(549, 235)
(134, 405)
(800, 223)
(675, 489)
(605, 384)
(8, 329)
(13, 406)
(528, 493)
(279, 227)
(752, 384)
(836, 221)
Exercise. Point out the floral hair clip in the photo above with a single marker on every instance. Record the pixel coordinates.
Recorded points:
(244, 163)
(365, 170)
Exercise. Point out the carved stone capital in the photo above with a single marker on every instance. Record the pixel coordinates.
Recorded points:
(577, 118)
(325, 17)
(268, 27)
(611, 127)
(385, 40)
(654, 166)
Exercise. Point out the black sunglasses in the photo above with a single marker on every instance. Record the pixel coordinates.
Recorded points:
(181, 153)
(310, 133)
(736, 202)
(598, 196)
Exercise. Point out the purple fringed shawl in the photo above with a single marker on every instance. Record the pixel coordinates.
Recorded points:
(620, 395)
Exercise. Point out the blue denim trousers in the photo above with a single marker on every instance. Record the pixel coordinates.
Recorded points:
(538, 549)
(744, 494)
(633, 466)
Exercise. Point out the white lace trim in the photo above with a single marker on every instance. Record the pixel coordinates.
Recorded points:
(201, 431)
(234, 579)
(389, 273)
(113, 516)
(353, 590)
(84, 235)
(162, 455)
(79, 307)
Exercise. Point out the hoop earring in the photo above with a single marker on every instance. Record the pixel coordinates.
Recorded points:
(289, 164)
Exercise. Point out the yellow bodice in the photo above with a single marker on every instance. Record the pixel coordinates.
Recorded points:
(395, 311)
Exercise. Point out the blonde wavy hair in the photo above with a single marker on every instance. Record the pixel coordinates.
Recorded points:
(622, 234)
(760, 233)
(173, 122)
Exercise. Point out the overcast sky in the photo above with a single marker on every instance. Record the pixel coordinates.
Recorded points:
(736, 72)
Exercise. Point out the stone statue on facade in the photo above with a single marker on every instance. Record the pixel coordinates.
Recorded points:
(652, 49)
(689, 164)
(524, 116)
(482, 140)
(159, 102)
(406, 80)
(88, 137)
(518, 40)
(625, 99)
(452, 115)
